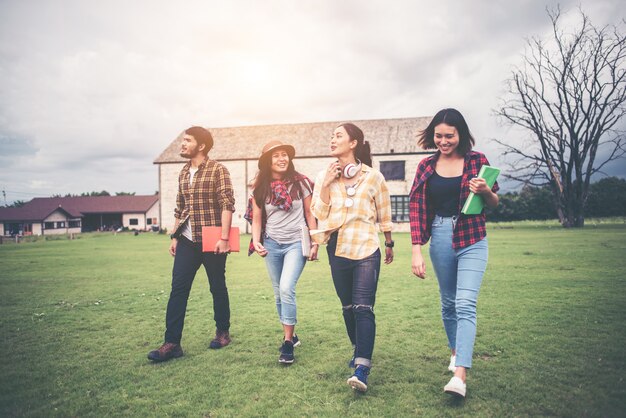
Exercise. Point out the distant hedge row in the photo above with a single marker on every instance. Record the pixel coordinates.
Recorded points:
(607, 197)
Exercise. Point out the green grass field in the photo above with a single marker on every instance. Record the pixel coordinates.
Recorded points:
(79, 316)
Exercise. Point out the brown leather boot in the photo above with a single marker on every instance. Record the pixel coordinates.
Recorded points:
(222, 339)
(165, 352)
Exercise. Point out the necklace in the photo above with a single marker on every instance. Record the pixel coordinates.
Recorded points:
(350, 191)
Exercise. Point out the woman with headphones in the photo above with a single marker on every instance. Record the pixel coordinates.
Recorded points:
(349, 199)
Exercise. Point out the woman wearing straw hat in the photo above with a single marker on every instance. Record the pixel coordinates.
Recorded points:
(281, 212)
(349, 199)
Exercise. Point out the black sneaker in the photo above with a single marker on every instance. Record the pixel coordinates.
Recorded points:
(286, 353)
(295, 340)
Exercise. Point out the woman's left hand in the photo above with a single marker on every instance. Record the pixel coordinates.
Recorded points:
(388, 255)
(313, 252)
(479, 186)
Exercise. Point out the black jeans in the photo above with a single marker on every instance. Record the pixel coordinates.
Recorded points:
(355, 283)
(189, 257)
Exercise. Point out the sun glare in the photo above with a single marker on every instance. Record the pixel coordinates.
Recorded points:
(255, 73)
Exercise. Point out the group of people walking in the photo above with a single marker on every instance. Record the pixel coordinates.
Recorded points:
(344, 209)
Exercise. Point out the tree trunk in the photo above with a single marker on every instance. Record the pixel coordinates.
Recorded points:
(571, 215)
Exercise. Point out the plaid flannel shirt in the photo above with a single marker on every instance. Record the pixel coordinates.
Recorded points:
(469, 229)
(357, 237)
(202, 202)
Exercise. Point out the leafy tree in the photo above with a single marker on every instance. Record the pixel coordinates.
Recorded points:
(569, 95)
(607, 197)
(102, 193)
(506, 209)
(16, 204)
(530, 203)
(536, 203)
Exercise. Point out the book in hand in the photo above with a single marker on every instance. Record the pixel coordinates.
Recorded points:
(474, 204)
(212, 234)
(306, 241)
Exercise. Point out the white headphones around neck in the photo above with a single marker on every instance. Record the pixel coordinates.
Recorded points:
(351, 169)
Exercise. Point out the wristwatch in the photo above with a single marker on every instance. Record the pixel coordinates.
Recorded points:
(389, 244)
(172, 236)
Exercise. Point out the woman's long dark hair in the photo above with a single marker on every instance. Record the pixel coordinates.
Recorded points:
(362, 151)
(451, 117)
(261, 184)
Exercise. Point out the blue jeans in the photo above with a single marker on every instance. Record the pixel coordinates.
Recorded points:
(189, 257)
(355, 283)
(460, 274)
(285, 263)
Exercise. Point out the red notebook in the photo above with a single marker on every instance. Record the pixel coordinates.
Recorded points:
(212, 234)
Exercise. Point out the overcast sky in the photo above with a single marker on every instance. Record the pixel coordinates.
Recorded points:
(91, 92)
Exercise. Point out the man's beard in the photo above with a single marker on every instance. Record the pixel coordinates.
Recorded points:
(188, 154)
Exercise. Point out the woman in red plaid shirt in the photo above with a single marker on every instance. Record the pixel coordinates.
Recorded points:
(458, 243)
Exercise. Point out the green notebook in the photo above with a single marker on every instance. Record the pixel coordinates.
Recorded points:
(474, 204)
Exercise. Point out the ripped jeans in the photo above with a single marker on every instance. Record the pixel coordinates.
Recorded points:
(355, 283)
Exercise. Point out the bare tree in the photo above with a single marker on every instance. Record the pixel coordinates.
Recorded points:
(569, 94)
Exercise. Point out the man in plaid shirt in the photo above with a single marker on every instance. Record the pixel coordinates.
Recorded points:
(205, 198)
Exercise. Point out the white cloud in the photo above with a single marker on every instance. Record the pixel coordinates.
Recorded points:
(96, 90)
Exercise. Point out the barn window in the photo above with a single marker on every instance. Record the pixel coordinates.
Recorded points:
(133, 221)
(48, 225)
(400, 208)
(392, 170)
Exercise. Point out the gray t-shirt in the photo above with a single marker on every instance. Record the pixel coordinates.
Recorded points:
(283, 226)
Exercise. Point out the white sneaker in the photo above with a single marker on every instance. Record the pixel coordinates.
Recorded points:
(452, 366)
(455, 387)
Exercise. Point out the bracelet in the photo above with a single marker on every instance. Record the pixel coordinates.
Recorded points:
(224, 239)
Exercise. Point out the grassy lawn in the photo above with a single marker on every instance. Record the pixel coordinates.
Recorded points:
(78, 318)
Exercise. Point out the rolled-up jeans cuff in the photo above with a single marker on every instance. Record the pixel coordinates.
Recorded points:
(361, 361)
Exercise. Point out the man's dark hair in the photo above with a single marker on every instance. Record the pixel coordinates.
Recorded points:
(202, 136)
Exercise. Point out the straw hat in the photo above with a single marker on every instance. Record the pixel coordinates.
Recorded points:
(272, 146)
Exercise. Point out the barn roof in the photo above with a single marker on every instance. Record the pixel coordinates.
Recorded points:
(386, 136)
(41, 207)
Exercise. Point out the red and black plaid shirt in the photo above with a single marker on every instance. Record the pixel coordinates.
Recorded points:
(203, 201)
(469, 228)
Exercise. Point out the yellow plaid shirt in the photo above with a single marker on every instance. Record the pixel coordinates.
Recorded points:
(357, 237)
